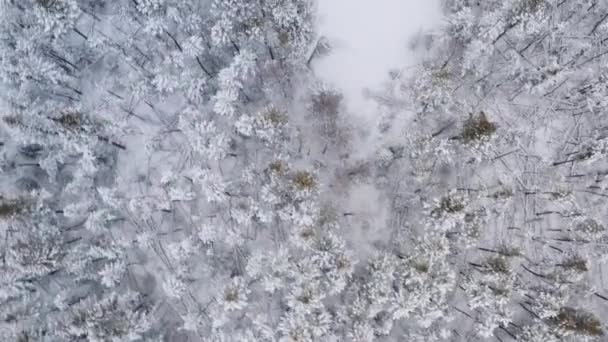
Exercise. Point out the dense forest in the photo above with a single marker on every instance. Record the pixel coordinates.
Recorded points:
(181, 170)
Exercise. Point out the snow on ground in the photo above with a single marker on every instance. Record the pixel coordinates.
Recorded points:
(369, 39)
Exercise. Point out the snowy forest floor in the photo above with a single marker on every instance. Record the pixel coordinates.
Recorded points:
(298, 170)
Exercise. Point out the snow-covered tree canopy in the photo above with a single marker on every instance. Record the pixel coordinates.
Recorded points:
(176, 170)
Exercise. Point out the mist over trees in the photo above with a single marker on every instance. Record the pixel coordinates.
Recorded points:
(177, 170)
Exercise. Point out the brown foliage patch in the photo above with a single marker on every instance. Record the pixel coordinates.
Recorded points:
(275, 116)
(579, 321)
(477, 128)
(448, 205)
(576, 263)
(277, 167)
(12, 207)
(70, 120)
(326, 103)
(498, 264)
(304, 180)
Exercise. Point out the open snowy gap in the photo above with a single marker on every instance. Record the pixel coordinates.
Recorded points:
(368, 39)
